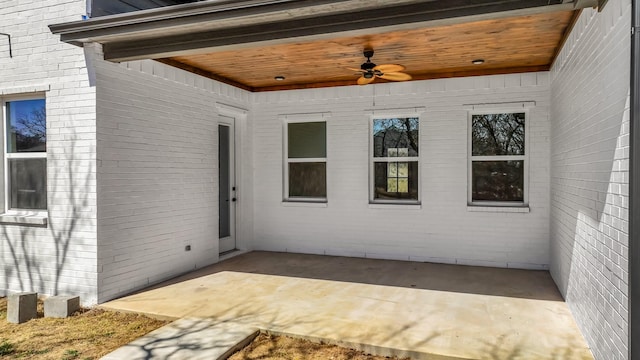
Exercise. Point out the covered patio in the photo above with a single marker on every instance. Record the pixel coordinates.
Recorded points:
(262, 70)
(422, 310)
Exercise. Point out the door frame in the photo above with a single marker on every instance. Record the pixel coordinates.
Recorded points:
(241, 212)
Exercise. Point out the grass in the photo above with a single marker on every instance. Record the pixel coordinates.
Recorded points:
(6, 348)
(88, 335)
(272, 347)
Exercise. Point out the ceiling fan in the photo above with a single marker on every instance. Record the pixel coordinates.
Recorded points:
(371, 71)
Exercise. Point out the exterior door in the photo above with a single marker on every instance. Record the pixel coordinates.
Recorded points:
(227, 187)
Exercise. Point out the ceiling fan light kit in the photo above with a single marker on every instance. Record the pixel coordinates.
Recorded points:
(371, 71)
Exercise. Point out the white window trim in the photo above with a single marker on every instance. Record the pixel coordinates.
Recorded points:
(36, 217)
(498, 209)
(487, 205)
(302, 118)
(18, 216)
(373, 160)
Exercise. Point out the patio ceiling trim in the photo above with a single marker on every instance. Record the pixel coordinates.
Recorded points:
(210, 26)
(210, 75)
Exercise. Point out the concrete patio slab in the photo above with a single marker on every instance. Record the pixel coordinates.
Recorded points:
(429, 311)
(187, 339)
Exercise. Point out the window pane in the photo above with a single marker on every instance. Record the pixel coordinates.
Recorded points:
(391, 184)
(395, 137)
(497, 134)
(28, 184)
(308, 179)
(26, 126)
(307, 140)
(498, 180)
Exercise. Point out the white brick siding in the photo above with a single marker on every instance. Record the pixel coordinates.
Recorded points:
(157, 172)
(59, 258)
(442, 230)
(589, 176)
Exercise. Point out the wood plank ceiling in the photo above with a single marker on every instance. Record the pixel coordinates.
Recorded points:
(507, 45)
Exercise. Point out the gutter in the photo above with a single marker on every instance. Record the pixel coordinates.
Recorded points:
(204, 14)
(634, 187)
(166, 13)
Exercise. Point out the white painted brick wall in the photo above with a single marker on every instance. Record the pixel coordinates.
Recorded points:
(157, 172)
(589, 176)
(60, 258)
(442, 230)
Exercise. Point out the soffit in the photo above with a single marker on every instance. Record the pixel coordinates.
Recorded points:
(517, 44)
(311, 43)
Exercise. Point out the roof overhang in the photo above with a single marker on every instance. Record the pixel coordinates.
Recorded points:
(221, 25)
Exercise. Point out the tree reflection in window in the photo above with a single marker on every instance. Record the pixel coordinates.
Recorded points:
(395, 157)
(498, 180)
(27, 126)
(498, 157)
(26, 153)
(498, 134)
(395, 133)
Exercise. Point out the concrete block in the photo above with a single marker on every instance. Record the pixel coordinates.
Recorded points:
(22, 307)
(61, 306)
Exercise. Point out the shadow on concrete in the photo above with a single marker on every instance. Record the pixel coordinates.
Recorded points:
(189, 338)
(381, 307)
(525, 284)
(231, 329)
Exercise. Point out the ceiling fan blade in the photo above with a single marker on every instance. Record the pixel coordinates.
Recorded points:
(385, 68)
(354, 69)
(395, 76)
(364, 81)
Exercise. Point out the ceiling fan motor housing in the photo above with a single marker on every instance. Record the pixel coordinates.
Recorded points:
(368, 65)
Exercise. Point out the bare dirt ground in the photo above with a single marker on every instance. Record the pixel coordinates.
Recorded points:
(271, 347)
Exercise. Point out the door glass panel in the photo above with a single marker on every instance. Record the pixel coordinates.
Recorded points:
(224, 188)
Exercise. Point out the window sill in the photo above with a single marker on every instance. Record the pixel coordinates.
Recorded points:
(36, 218)
(310, 204)
(498, 209)
(396, 206)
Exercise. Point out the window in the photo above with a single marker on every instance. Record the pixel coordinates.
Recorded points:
(25, 154)
(394, 161)
(497, 162)
(306, 161)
